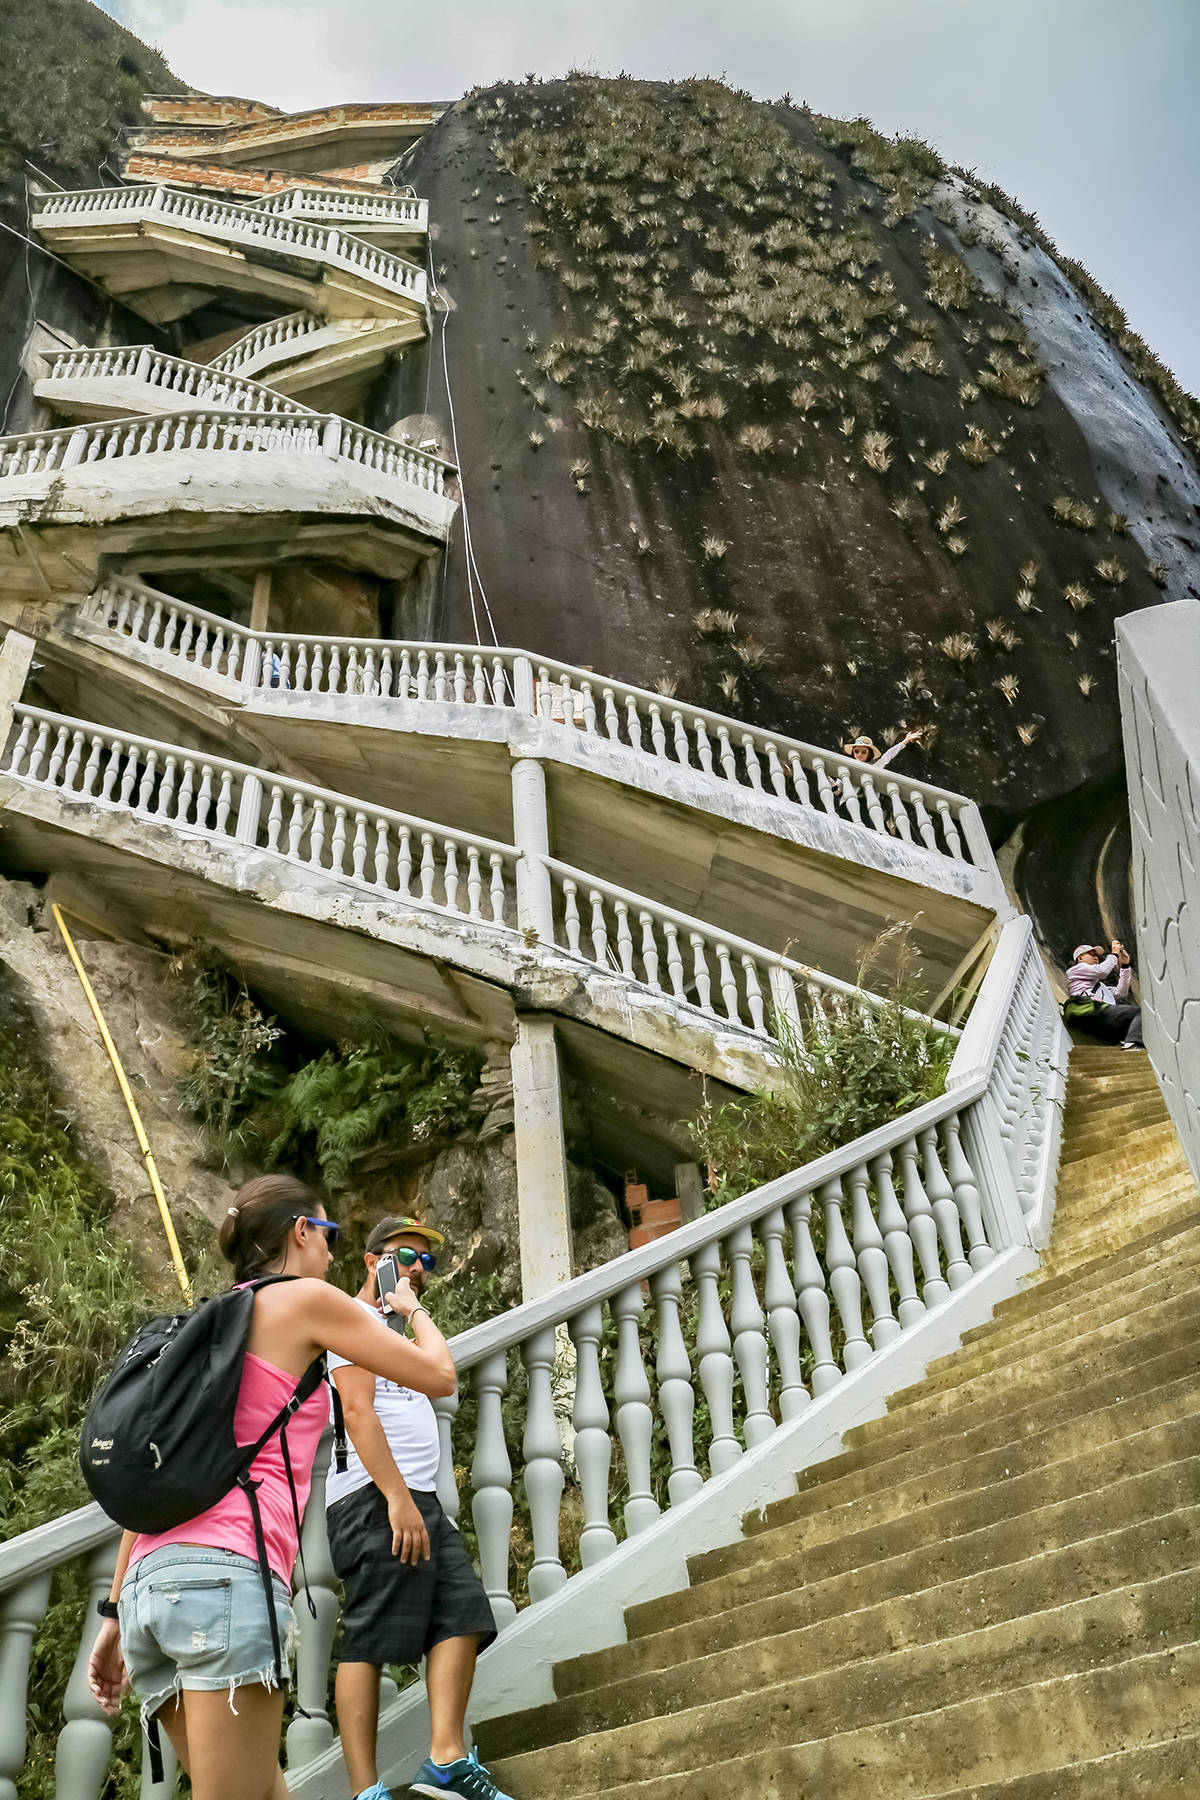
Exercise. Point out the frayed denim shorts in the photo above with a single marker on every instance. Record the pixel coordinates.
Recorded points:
(194, 1618)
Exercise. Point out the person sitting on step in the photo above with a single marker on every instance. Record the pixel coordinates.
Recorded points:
(1094, 1005)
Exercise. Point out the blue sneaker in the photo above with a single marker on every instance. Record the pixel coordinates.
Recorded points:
(467, 1776)
(378, 1792)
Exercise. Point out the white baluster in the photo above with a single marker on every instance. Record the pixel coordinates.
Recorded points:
(950, 830)
(922, 1228)
(22, 1609)
(714, 1360)
(966, 1195)
(491, 1479)
(382, 853)
(749, 1340)
(497, 887)
(674, 961)
(428, 866)
(316, 834)
(649, 950)
(571, 920)
(843, 1278)
(945, 1213)
(593, 1443)
(676, 1396)
(474, 884)
(783, 1318)
(897, 1244)
(729, 988)
(85, 1741)
(624, 937)
(359, 852)
(542, 1450)
(308, 1737)
(635, 1425)
(599, 931)
(872, 1262)
(700, 971)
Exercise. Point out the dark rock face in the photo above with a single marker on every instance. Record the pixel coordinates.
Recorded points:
(70, 79)
(752, 403)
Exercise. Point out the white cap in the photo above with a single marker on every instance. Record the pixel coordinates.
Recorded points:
(1083, 950)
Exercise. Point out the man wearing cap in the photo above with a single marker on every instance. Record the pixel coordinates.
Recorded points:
(1095, 1008)
(410, 1587)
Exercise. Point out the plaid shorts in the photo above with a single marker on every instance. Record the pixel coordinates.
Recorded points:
(392, 1612)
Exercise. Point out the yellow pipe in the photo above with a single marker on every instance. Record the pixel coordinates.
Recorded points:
(134, 1114)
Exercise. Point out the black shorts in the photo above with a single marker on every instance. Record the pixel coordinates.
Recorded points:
(394, 1613)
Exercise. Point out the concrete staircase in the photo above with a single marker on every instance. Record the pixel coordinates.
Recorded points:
(994, 1589)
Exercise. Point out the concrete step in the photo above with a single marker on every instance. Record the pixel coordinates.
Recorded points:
(1156, 1149)
(1128, 1205)
(1012, 1392)
(995, 1485)
(1045, 1295)
(1132, 1105)
(979, 1375)
(1034, 1728)
(872, 1460)
(802, 1707)
(1153, 1544)
(1110, 1129)
(1095, 1243)
(1150, 1770)
(948, 1538)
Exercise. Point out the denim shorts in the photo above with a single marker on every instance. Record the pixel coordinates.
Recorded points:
(194, 1618)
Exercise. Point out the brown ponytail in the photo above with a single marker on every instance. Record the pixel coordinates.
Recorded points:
(255, 1230)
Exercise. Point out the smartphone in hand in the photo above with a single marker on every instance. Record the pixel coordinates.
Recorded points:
(387, 1274)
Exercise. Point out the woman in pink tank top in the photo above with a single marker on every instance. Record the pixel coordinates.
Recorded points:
(193, 1634)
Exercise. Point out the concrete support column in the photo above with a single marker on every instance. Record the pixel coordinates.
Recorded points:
(531, 835)
(260, 603)
(543, 1200)
(16, 655)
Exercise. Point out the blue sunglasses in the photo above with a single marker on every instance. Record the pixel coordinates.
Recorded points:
(329, 1225)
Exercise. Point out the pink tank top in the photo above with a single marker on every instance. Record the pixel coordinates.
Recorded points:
(229, 1525)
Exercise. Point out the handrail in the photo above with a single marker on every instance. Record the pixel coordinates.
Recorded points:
(202, 214)
(221, 430)
(329, 797)
(143, 363)
(385, 208)
(59, 1540)
(699, 740)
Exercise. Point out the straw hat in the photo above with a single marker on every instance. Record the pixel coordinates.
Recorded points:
(862, 743)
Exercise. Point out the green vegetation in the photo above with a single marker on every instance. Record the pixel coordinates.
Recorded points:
(264, 1097)
(70, 79)
(857, 1068)
(70, 1296)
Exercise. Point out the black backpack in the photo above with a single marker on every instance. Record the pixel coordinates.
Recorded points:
(158, 1446)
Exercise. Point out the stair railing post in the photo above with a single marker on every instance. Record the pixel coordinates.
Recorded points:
(308, 1737)
(85, 1742)
(22, 1610)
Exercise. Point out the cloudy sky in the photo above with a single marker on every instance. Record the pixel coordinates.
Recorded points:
(1084, 109)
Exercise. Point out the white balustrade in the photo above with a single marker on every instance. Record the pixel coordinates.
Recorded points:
(185, 381)
(586, 703)
(752, 1309)
(346, 204)
(777, 767)
(737, 983)
(386, 852)
(297, 432)
(276, 335)
(229, 221)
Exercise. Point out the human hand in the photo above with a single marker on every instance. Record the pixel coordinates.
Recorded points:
(107, 1676)
(914, 736)
(410, 1540)
(402, 1298)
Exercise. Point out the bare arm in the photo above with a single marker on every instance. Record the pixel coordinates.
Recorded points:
(410, 1540)
(107, 1678)
(338, 1323)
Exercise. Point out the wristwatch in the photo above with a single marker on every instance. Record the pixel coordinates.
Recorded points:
(107, 1609)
